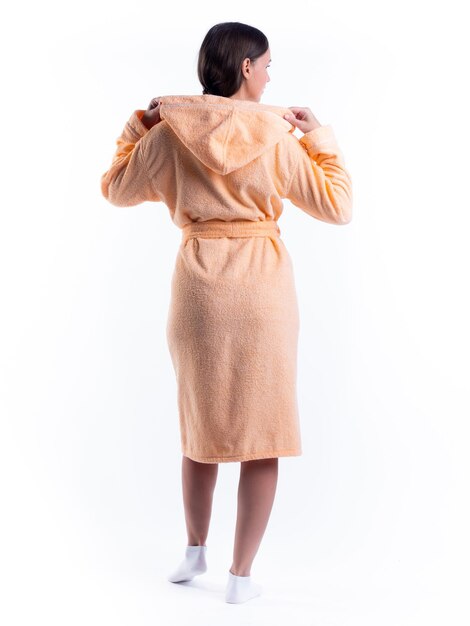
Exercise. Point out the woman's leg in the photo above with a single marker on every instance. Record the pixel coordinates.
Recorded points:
(199, 480)
(256, 490)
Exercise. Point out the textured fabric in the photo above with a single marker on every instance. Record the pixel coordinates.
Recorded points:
(222, 167)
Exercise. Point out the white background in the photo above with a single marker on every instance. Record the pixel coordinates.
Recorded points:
(370, 524)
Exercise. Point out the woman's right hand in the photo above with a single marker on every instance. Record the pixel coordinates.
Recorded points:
(152, 114)
(302, 118)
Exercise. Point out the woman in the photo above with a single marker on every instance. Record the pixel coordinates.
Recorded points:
(222, 162)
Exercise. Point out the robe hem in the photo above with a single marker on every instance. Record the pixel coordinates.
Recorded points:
(243, 457)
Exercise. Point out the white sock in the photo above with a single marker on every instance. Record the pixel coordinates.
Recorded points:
(241, 588)
(193, 565)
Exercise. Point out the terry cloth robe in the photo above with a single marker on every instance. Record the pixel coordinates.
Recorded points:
(221, 165)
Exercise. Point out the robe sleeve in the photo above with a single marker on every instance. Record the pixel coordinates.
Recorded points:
(320, 184)
(127, 182)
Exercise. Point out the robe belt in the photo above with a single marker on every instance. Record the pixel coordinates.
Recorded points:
(238, 228)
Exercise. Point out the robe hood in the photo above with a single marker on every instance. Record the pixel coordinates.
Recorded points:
(223, 133)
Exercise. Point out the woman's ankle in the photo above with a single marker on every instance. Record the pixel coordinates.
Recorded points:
(239, 572)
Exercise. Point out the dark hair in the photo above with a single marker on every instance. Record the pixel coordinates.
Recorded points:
(221, 55)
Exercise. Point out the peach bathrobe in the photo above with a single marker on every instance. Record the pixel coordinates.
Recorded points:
(222, 167)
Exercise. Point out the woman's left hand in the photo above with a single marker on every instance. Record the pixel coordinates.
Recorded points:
(152, 114)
